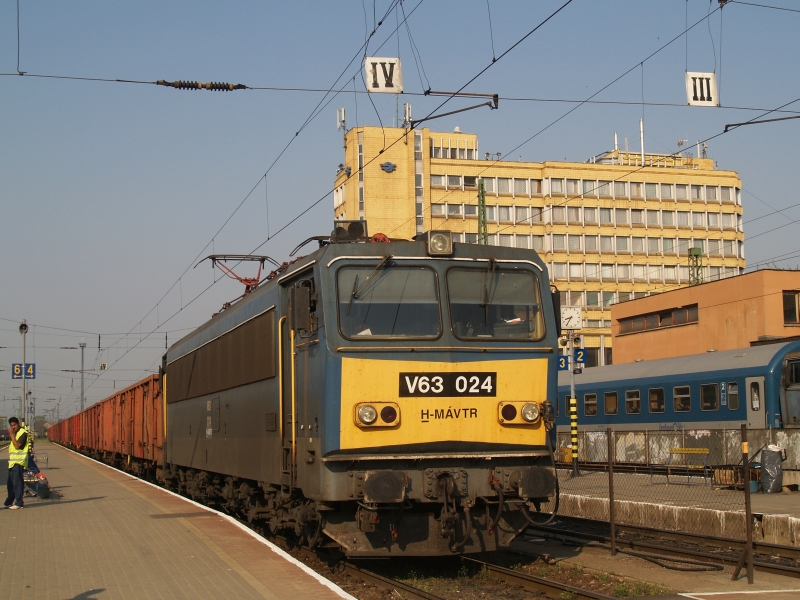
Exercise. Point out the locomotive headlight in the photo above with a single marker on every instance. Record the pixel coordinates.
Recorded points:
(440, 243)
(367, 414)
(530, 412)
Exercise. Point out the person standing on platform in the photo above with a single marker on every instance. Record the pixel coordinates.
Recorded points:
(18, 452)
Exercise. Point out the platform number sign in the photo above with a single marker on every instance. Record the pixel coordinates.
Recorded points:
(563, 363)
(383, 75)
(580, 356)
(701, 89)
(29, 371)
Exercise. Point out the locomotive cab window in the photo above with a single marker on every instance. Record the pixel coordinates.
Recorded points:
(709, 396)
(590, 405)
(682, 398)
(389, 301)
(610, 403)
(633, 403)
(498, 304)
(733, 395)
(656, 396)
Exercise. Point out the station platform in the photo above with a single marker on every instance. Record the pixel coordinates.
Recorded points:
(680, 505)
(104, 534)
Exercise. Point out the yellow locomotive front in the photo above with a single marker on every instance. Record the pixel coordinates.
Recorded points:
(439, 374)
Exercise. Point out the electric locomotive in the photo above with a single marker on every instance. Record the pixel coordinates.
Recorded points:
(385, 397)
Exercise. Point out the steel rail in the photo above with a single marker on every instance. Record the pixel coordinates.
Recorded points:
(529, 583)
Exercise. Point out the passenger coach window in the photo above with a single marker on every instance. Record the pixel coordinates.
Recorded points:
(391, 302)
(709, 396)
(656, 400)
(733, 395)
(590, 405)
(498, 304)
(682, 397)
(610, 401)
(755, 396)
(633, 404)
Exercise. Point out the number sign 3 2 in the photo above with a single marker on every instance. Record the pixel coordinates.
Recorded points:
(448, 384)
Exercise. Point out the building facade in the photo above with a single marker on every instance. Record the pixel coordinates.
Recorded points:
(614, 228)
(718, 315)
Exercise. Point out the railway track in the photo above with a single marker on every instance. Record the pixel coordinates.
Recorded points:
(768, 558)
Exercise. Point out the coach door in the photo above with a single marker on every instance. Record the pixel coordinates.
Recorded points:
(756, 409)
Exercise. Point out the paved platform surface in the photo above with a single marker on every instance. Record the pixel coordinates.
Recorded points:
(104, 534)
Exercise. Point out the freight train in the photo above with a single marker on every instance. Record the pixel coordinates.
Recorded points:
(380, 397)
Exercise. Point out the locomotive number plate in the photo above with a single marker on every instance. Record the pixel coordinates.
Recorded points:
(448, 384)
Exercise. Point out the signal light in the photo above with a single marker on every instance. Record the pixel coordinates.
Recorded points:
(388, 414)
(509, 412)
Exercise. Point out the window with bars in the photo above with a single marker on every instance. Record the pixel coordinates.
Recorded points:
(520, 187)
(537, 243)
(651, 190)
(620, 189)
(623, 244)
(637, 244)
(606, 243)
(574, 214)
(590, 243)
(559, 214)
(556, 186)
(574, 243)
(590, 215)
(681, 192)
(668, 218)
(637, 216)
(621, 216)
(521, 214)
(605, 216)
(666, 191)
(652, 218)
(559, 242)
(652, 245)
(503, 185)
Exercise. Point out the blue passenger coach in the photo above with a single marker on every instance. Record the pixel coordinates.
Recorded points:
(759, 386)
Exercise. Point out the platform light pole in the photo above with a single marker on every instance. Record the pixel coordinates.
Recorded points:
(23, 329)
(83, 347)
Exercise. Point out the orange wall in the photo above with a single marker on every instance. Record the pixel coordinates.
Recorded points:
(731, 313)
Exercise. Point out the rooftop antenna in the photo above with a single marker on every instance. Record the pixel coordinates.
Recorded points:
(680, 145)
(705, 150)
(341, 124)
(406, 114)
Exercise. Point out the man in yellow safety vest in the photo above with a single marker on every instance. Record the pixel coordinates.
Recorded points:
(18, 453)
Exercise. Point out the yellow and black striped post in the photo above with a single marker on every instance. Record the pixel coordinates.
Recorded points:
(573, 424)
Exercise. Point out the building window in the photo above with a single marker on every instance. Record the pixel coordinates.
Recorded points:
(637, 216)
(437, 180)
(681, 192)
(470, 182)
(437, 210)
(605, 216)
(606, 243)
(652, 246)
(651, 190)
(607, 273)
(574, 243)
(637, 244)
(573, 187)
(589, 215)
(574, 214)
(590, 405)
(589, 187)
(666, 191)
(471, 238)
(713, 247)
(633, 404)
(791, 313)
(698, 220)
(536, 214)
(506, 240)
(576, 273)
(453, 181)
(622, 244)
(610, 403)
(559, 242)
(621, 216)
(505, 213)
(560, 271)
(636, 190)
(624, 296)
(590, 243)
(608, 300)
(682, 398)
(454, 210)
(503, 185)
(669, 245)
(652, 218)
(668, 218)
(490, 213)
(639, 272)
(559, 214)
(488, 185)
(677, 316)
(733, 394)
(709, 396)
(522, 241)
(604, 188)
(670, 273)
(592, 298)
(591, 273)
(697, 192)
(619, 189)
(729, 247)
(656, 398)
(623, 273)
(727, 221)
(683, 219)
(726, 195)
(711, 193)
(556, 186)
(520, 187)
(520, 214)
(536, 186)
(470, 210)
(537, 242)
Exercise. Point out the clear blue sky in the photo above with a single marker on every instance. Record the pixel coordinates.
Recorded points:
(109, 190)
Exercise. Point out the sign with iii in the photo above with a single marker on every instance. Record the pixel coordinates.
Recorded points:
(383, 75)
(701, 89)
(29, 370)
